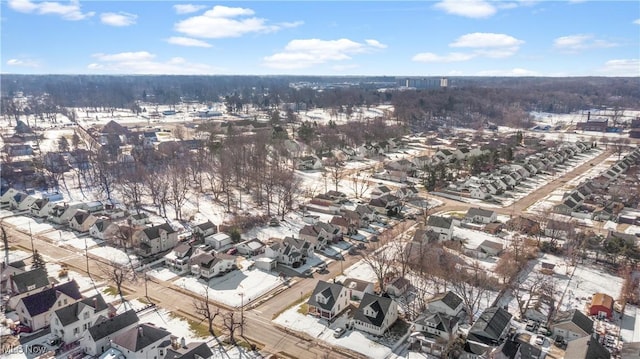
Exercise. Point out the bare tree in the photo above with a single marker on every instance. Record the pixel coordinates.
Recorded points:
(360, 183)
(179, 132)
(381, 261)
(231, 323)
(132, 187)
(117, 273)
(178, 186)
(205, 310)
(470, 287)
(336, 171)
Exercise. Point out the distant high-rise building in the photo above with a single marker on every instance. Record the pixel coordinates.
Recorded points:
(422, 82)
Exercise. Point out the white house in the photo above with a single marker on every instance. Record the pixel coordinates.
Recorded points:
(438, 324)
(82, 221)
(357, 288)
(36, 309)
(250, 247)
(289, 251)
(218, 240)
(98, 337)
(41, 207)
(178, 258)
(328, 300)
(69, 323)
(208, 265)
(156, 239)
(572, 325)
(375, 314)
(144, 341)
(447, 303)
(441, 225)
(480, 215)
(103, 229)
(20, 285)
(205, 229)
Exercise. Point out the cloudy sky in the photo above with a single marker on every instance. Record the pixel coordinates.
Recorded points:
(416, 38)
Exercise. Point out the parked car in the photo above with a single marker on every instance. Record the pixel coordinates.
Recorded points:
(339, 332)
(539, 340)
(22, 329)
(232, 251)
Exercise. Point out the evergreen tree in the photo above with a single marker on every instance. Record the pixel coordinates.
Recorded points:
(38, 261)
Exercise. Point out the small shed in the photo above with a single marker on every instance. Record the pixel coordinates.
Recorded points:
(265, 263)
(601, 305)
(218, 240)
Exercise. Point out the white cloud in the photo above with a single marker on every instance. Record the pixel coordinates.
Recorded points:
(225, 22)
(187, 41)
(489, 44)
(143, 62)
(512, 72)
(68, 11)
(451, 57)
(305, 53)
(22, 63)
(622, 67)
(467, 8)
(119, 19)
(188, 8)
(579, 42)
(637, 22)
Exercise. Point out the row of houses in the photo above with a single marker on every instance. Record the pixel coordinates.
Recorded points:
(90, 326)
(507, 177)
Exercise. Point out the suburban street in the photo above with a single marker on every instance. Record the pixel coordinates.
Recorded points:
(259, 328)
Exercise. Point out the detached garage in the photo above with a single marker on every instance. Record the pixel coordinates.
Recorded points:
(601, 305)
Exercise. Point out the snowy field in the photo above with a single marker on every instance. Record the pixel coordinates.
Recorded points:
(317, 328)
(26, 224)
(114, 255)
(73, 239)
(234, 288)
(164, 274)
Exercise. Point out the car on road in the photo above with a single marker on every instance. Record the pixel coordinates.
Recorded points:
(308, 273)
(339, 332)
(22, 329)
(539, 340)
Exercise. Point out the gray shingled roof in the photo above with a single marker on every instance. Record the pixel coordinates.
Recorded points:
(41, 302)
(331, 291)
(439, 222)
(140, 337)
(488, 328)
(113, 325)
(449, 298)
(154, 232)
(35, 277)
(197, 350)
(576, 317)
(472, 212)
(69, 314)
(380, 305)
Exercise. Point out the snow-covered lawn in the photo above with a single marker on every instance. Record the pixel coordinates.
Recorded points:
(317, 328)
(73, 239)
(233, 288)
(27, 224)
(114, 255)
(164, 274)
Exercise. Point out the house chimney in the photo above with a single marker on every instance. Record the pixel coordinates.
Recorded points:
(13, 286)
(95, 305)
(183, 343)
(140, 331)
(588, 116)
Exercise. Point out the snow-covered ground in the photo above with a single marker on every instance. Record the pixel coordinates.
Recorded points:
(114, 255)
(75, 240)
(234, 288)
(317, 328)
(26, 224)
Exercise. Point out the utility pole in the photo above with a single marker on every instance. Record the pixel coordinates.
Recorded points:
(86, 254)
(33, 250)
(241, 314)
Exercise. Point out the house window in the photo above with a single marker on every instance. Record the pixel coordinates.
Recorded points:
(76, 331)
(86, 315)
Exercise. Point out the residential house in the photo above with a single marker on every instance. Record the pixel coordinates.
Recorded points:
(328, 300)
(557, 229)
(41, 207)
(205, 229)
(290, 251)
(208, 265)
(357, 288)
(61, 213)
(475, 350)
(35, 310)
(397, 286)
(15, 198)
(479, 192)
(308, 163)
(447, 303)
(480, 215)
(491, 327)
(319, 234)
(572, 325)
(250, 247)
(444, 155)
(588, 347)
(512, 349)
(491, 248)
(523, 225)
(69, 323)
(385, 204)
(375, 314)
(138, 219)
(143, 341)
(437, 324)
(353, 218)
(218, 240)
(194, 350)
(407, 193)
(103, 229)
(344, 224)
(367, 214)
(24, 284)
(98, 337)
(156, 239)
(178, 258)
(601, 305)
(441, 225)
(82, 221)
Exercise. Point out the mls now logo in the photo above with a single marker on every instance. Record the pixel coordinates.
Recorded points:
(23, 349)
